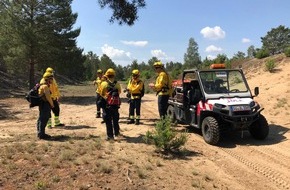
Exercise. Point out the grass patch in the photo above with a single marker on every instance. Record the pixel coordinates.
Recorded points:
(41, 185)
(104, 167)
(67, 155)
(141, 173)
(196, 183)
(281, 102)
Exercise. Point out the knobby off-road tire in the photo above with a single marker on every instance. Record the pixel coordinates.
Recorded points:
(171, 114)
(210, 130)
(260, 128)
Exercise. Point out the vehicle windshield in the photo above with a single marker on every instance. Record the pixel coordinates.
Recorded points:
(223, 81)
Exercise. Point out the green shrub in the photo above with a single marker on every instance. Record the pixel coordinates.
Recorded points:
(175, 73)
(287, 52)
(237, 80)
(147, 74)
(262, 53)
(270, 65)
(40, 185)
(164, 138)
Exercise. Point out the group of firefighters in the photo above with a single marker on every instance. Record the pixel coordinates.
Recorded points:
(105, 84)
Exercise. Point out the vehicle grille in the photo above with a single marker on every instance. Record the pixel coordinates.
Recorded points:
(241, 113)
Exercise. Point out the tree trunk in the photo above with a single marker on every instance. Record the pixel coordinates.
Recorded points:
(31, 74)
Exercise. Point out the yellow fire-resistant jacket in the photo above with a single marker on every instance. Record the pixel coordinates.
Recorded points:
(163, 84)
(105, 86)
(98, 82)
(135, 87)
(55, 94)
(44, 92)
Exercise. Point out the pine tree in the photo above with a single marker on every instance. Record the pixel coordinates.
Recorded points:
(124, 11)
(39, 33)
(276, 40)
(192, 58)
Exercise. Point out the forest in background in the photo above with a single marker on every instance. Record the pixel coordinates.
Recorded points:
(35, 35)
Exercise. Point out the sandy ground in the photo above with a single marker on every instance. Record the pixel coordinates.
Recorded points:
(239, 162)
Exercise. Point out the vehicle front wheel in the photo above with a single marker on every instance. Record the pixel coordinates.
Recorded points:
(210, 130)
(171, 114)
(260, 128)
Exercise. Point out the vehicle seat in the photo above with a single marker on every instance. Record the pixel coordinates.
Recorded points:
(194, 93)
(186, 86)
(219, 86)
(209, 86)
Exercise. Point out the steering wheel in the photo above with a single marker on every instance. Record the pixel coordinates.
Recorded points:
(235, 90)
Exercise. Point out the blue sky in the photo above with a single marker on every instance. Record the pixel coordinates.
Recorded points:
(164, 28)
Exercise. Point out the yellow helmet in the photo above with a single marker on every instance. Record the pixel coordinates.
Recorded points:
(135, 72)
(99, 71)
(110, 72)
(158, 64)
(47, 75)
(49, 69)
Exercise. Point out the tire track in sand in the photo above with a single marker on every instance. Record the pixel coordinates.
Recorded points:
(271, 155)
(276, 177)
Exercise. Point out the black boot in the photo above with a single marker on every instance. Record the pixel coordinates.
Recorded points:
(131, 121)
(137, 122)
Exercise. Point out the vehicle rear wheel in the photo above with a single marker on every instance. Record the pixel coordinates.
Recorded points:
(171, 114)
(210, 130)
(260, 128)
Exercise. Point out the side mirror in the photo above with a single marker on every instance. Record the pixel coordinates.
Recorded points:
(256, 91)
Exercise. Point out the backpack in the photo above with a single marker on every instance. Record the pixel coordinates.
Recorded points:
(33, 97)
(113, 98)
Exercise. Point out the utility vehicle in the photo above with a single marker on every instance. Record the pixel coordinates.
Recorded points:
(216, 100)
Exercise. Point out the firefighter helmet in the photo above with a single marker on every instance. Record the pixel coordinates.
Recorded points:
(136, 72)
(47, 75)
(110, 72)
(49, 69)
(158, 64)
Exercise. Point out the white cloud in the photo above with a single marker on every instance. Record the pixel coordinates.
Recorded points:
(246, 40)
(114, 53)
(135, 43)
(213, 48)
(159, 54)
(213, 33)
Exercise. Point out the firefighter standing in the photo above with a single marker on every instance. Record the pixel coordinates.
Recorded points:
(45, 106)
(102, 102)
(128, 96)
(97, 83)
(162, 87)
(136, 89)
(55, 95)
(111, 111)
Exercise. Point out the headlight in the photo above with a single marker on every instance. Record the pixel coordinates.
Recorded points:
(241, 108)
(219, 105)
(252, 104)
